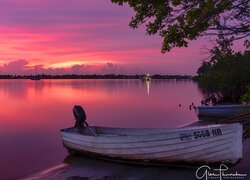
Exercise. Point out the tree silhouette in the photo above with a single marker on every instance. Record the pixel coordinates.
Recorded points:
(178, 21)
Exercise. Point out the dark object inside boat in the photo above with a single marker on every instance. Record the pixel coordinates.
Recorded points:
(80, 116)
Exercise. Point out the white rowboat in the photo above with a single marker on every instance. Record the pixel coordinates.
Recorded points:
(222, 110)
(201, 144)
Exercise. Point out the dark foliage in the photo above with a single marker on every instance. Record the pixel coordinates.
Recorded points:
(228, 77)
(178, 21)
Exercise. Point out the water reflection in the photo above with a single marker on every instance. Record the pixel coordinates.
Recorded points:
(33, 112)
(82, 167)
(148, 86)
(85, 167)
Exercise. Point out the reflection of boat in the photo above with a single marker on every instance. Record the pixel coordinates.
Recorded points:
(146, 77)
(222, 110)
(201, 144)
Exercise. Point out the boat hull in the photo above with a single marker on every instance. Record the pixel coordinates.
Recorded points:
(200, 145)
(222, 111)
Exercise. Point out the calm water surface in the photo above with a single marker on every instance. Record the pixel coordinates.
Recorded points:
(33, 112)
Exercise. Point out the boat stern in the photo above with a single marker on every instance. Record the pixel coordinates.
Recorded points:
(237, 142)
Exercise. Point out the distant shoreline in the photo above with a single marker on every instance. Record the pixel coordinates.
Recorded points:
(95, 76)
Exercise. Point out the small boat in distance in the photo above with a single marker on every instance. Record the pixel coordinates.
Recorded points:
(169, 146)
(146, 77)
(35, 77)
(222, 110)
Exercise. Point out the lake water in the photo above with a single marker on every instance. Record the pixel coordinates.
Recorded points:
(33, 112)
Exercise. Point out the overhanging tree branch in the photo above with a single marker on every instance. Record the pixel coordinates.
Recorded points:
(179, 21)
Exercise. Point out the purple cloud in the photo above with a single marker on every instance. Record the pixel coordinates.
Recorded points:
(14, 67)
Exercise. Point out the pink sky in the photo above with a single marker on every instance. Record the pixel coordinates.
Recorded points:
(84, 37)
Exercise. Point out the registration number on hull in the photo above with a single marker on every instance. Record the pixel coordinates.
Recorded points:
(207, 133)
(201, 134)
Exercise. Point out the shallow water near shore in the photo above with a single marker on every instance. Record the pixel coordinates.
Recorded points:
(33, 112)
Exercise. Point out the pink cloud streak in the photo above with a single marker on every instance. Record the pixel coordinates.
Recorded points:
(92, 32)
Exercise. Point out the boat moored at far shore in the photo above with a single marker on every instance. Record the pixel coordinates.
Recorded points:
(223, 110)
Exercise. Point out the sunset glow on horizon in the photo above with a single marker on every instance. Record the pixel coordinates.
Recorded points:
(84, 37)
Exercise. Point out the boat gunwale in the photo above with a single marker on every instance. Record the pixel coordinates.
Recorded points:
(153, 131)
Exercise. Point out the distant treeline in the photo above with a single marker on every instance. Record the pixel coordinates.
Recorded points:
(94, 76)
